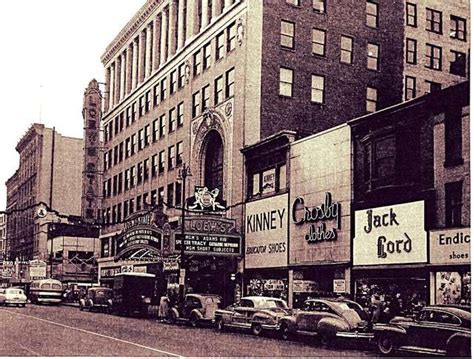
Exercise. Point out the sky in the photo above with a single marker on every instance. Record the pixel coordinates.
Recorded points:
(50, 50)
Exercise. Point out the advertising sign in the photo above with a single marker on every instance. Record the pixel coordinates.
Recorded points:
(390, 235)
(37, 269)
(339, 286)
(266, 232)
(450, 246)
(8, 269)
(213, 244)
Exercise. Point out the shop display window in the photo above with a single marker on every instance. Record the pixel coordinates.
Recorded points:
(453, 288)
(276, 288)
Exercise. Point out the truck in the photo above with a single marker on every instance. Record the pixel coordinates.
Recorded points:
(133, 293)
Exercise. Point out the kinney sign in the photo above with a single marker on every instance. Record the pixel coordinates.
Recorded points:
(328, 211)
(390, 235)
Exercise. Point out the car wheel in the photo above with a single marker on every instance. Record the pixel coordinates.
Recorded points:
(386, 344)
(23, 305)
(257, 329)
(220, 325)
(326, 340)
(285, 332)
(194, 321)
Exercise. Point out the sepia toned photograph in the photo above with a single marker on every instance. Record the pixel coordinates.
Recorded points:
(235, 178)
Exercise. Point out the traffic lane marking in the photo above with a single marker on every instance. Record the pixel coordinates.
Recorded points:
(97, 334)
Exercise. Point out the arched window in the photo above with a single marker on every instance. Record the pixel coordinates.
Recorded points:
(214, 160)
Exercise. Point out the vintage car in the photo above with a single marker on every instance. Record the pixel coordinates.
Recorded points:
(255, 313)
(438, 330)
(97, 298)
(12, 296)
(329, 319)
(196, 309)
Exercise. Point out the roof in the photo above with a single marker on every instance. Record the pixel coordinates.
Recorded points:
(461, 313)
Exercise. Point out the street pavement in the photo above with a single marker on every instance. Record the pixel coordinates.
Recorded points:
(66, 331)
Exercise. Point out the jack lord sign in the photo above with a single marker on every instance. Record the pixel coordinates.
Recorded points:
(390, 235)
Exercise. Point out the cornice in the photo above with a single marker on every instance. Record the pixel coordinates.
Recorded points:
(133, 25)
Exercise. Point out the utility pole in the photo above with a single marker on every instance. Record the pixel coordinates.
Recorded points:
(184, 172)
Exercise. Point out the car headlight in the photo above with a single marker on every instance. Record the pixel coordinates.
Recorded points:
(147, 300)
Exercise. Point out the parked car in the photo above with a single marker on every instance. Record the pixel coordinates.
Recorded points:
(255, 313)
(99, 298)
(440, 330)
(196, 309)
(12, 296)
(328, 319)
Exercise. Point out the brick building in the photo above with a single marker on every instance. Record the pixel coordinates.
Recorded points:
(411, 164)
(3, 236)
(196, 81)
(50, 172)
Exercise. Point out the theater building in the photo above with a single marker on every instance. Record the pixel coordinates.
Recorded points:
(404, 208)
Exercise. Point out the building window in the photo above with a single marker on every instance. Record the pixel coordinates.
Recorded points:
(139, 173)
(218, 90)
(179, 153)
(133, 144)
(163, 89)
(411, 51)
(231, 37)
(229, 83)
(346, 49)
(213, 163)
(371, 100)
(410, 87)
(146, 170)
(207, 56)
(453, 138)
(181, 114)
(127, 180)
(171, 157)
(155, 129)
(196, 103)
(220, 43)
(170, 194)
(287, 34)
(453, 193)
(372, 56)
(434, 21)
(141, 140)
(372, 13)
(156, 95)
(161, 167)
(319, 6)
(178, 193)
(411, 14)
(161, 195)
(286, 82)
(132, 176)
(139, 202)
(317, 88)
(147, 105)
(154, 165)
(433, 57)
(432, 86)
(173, 80)
(134, 112)
(146, 135)
(162, 125)
(458, 28)
(319, 42)
(181, 75)
(457, 63)
(141, 111)
(154, 197)
(197, 63)
(172, 120)
(206, 97)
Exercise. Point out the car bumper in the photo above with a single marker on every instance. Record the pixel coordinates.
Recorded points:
(355, 335)
(15, 301)
(49, 300)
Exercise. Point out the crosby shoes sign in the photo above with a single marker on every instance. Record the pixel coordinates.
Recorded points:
(391, 235)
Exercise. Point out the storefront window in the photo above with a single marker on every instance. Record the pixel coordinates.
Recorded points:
(453, 288)
(276, 288)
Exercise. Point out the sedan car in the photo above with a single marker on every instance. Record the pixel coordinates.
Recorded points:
(254, 313)
(329, 319)
(12, 296)
(97, 298)
(196, 309)
(438, 330)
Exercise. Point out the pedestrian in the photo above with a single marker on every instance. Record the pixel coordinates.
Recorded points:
(163, 309)
(377, 307)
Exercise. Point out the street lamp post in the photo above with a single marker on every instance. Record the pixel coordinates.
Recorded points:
(184, 172)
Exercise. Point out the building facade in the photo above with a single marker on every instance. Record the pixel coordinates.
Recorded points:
(49, 172)
(3, 235)
(411, 201)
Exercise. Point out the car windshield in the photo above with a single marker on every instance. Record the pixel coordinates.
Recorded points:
(15, 291)
(212, 299)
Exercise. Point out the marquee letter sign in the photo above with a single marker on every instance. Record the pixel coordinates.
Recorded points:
(318, 217)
